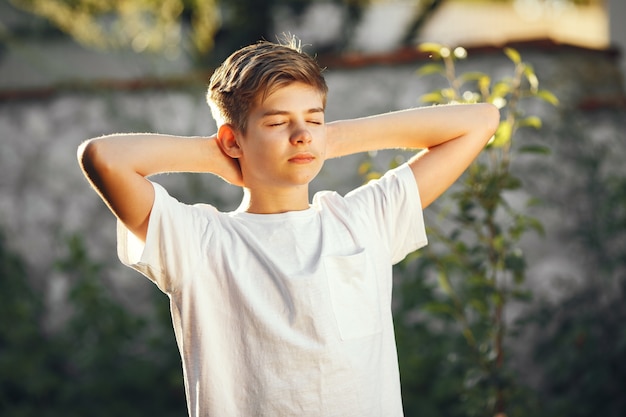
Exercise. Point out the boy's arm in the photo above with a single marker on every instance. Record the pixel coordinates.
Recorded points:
(117, 167)
(451, 136)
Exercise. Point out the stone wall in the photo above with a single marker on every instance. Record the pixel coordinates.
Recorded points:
(44, 198)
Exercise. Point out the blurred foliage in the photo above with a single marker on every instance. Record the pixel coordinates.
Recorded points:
(475, 256)
(600, 190)
(582, 351)
(23, 352)
(103, 361)
(204, 28)
(171, 26)
(583, 337)
(451, 298)
(143, 25)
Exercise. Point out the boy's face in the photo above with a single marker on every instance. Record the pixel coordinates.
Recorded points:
(285, 141)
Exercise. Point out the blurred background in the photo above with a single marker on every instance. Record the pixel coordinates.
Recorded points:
(539, 331)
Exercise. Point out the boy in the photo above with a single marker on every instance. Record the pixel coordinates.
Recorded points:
(283, 307)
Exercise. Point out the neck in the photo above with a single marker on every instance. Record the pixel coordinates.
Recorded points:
(265, 202)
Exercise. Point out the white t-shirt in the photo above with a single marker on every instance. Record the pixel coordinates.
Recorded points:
(285, 314)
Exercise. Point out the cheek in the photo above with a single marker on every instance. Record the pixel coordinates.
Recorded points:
(260, 156)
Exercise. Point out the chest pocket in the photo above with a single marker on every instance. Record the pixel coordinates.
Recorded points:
(354, 295)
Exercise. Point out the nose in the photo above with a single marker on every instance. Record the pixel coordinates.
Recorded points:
(301, 136)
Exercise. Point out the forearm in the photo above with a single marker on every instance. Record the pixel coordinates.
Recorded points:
(117, 167)
(417, 128)
(148, 154)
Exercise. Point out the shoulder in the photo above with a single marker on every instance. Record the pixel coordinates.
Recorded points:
(163, 197)
(171, 213)
(390, 195)
(399, 181)
(396, 184)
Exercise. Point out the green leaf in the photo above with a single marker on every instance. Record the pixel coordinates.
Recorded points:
(435, 307)
(449, 94)
(531, 121)
(547, 96)
(460, 247)
(503, 134)
(513, 55)
(516, 263)
(522, 295)
(537, 226)
(483, 83)
(473, 76)
(482, 80)
(432, 48)
(365, 167)
(444, 283)
(497, 298)
(498, 242)
(434, 97)
(501, 89)
(534, 202)
(429, 69)
(529, 72)
(512, 183)
(480, 306)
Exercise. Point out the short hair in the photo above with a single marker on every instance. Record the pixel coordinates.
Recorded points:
(252, 73)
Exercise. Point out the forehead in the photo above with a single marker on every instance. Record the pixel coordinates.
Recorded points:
(294, 97)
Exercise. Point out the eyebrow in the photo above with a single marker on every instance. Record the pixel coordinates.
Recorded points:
(276, 112)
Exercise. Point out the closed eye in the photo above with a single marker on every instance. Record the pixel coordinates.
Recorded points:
(277, 123)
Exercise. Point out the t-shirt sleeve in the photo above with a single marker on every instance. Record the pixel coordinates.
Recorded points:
(172, 242)
(393, 209)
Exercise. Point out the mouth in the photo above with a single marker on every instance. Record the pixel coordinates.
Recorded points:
(302, 158)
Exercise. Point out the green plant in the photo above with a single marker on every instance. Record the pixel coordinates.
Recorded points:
(26, 354)
(116, 361)
(475, 251)
(582, 345)
(582, 352)
(104, 360)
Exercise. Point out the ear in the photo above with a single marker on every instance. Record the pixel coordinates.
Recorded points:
(227, 140)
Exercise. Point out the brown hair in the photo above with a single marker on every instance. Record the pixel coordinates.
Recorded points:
(255, 71)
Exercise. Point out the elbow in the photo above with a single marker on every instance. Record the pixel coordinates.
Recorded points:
(91, 159)
(85, 155)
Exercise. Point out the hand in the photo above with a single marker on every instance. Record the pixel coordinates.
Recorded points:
(224, 166)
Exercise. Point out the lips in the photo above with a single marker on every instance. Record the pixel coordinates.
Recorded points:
(302, 158)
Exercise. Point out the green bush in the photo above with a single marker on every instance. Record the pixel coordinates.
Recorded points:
(581, 353)
(453, 340)
(104, 361)
(29, 360)
(582, 346)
